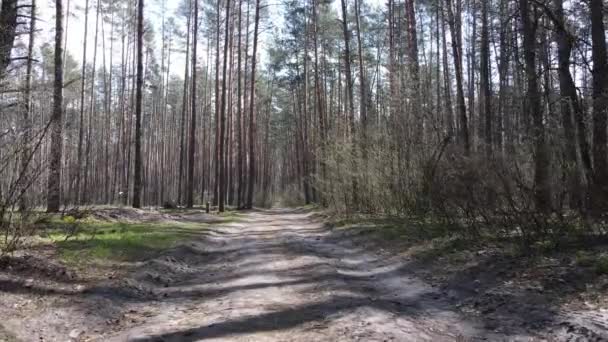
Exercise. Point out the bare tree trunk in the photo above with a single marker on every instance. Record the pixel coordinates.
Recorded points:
(54, 178)
(350, 92)
(447, 84)
(137, 181)
(8, 23)
(362, 81)
(222, 180)
(190, 190)
(217, 106)
(414, 70)
(456, 51)
(600, 104)
(82, 110)
(348, 68)
(27, 103)
(182, 136)
(252, 122)
(92, 110)
(486, 85)
(571, 113)
(239, 112)
(529, 17)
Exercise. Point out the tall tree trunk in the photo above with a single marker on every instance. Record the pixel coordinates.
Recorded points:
(137, 181)
(191, 147)
(529, 17)
(252, 122)
(222, 182)
(182, 136)
(239, 111)
(53, 201)
(504, 122)
(446, 79)
(486, 85)
(362, 81)
(318, 96)
(348, 68)
(217, 105)
(350, 92)
(26, 156)
(456, 52)
(308, 191)
(414, 71)
(571, 112)
(600, 107)
(8, 23)
(92, 110)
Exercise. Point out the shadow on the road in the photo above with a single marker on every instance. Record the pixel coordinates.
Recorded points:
(280, 320)
(338, 268)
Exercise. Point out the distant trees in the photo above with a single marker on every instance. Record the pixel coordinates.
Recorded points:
(519, 117)
(473, 110)
(126, 129)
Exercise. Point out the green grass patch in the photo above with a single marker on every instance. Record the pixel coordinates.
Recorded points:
(396, 228)
(230, 216)
(424, 238)
(93, 242)
(311, 206)
(594, 260)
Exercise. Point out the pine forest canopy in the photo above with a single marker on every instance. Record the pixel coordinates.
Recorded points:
(488, 111)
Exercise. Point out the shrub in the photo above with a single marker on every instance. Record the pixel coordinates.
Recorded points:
(601, 264)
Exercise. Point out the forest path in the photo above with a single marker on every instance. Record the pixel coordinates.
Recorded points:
(275, 276)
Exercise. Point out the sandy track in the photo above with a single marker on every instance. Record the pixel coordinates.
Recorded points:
(275, 277)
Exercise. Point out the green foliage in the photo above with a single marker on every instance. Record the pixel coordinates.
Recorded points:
(601, 264)
(99, 241)
(230, 216)
(590, 259)
(584, 259)
(69, 219)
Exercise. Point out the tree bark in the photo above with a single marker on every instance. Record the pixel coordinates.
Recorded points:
(486, 85)
(456, 52)
(192, 145)
(542, 193)
(54, 178)
(137, 181)
(571, 112)
(222, 180)
(8, 23)
(182, 136)
(26, 156)
(252, 119)
(600, 107)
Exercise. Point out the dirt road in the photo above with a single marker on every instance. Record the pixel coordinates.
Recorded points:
(275, 275)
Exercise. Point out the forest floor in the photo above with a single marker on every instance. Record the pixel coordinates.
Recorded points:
(286, 275)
